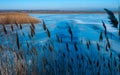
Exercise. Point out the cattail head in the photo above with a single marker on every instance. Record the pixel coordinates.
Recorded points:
(29, 36)
(34, 50)
(50, 48)
(27, 44)
(44, 25)
(23, 34)
(58, 38)
(1, 47)
(4, 29)
(20, 26)
(16, 23)
(88, 46)
(21, 55)
(89, 42)
(111, 54)
(64, 55)
(98, 47)
(119, 56)
(12, 27)
(106, 48)
(32, 31)
(101, 37)
(75, 46)
(90, 62)
(109, 66)
(67, 47)
(104, 28)
(70, 32)
(97, 64)
(48, 33)
(17, 41)
(33, 26)
(115, 62)
(108, 43)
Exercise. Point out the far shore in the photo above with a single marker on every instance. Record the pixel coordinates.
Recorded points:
(67, 12)
(54, 12)
(58, 12)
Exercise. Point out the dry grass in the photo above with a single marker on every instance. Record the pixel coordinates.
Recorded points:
(19, 18)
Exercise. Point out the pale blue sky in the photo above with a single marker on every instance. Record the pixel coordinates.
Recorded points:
(58, 4)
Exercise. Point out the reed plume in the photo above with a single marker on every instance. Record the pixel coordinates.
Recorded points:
(112, 18)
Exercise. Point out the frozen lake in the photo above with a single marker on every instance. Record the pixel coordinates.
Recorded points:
(71, 44)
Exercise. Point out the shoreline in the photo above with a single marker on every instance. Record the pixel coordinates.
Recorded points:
(67, 13)
(59, 12)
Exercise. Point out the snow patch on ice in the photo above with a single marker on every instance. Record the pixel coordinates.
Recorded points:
(78, 21)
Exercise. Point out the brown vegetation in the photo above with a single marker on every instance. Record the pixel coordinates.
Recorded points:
(19, 18)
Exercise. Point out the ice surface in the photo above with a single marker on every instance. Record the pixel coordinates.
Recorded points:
(84, 54)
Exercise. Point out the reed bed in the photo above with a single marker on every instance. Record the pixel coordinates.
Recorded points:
(20, 18)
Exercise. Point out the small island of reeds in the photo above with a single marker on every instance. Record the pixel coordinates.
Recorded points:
(19, 18)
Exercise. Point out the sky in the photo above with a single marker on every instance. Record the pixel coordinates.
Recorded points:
(58, 4)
